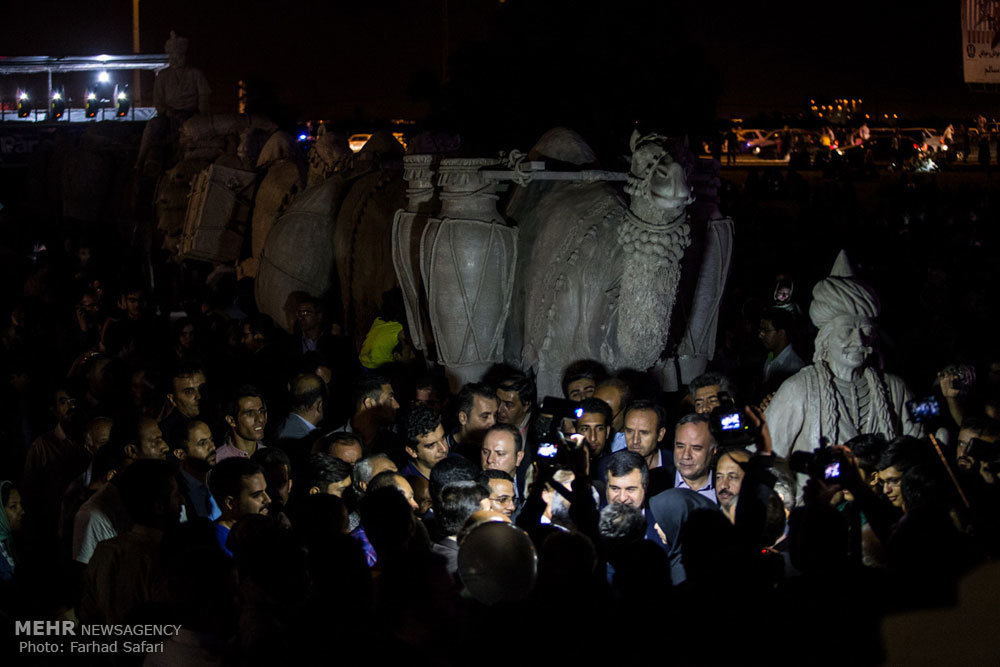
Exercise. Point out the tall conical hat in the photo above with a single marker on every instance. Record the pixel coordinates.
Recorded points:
(176, 44)
(842, 294)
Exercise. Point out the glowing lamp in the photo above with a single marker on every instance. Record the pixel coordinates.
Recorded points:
(57, 105)
(23, 104)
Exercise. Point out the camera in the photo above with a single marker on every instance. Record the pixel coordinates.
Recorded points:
(963, 377)
(924, 409)
(824, 464)
(553, 446)
(729, 426)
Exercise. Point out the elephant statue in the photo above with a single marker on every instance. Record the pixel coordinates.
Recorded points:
(336, 235)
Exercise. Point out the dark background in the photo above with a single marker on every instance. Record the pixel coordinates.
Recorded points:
(521, 66)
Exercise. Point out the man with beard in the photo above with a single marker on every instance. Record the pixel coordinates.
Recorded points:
(239, 488)
(477, 412)
(53, 461)
(984, 428)
(843, 393)
(103, 515)
(729, 476)
(193, 446)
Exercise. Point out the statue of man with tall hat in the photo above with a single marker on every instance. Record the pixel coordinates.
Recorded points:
(843, 393)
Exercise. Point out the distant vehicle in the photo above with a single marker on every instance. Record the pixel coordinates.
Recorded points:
(748, 137)
(930, 140)
(880, 144)
(770, 146)
(357, 141)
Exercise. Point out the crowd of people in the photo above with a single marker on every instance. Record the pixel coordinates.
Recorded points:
(286, 497)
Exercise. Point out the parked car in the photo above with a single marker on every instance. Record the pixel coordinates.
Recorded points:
(930, 140)
(748, 137)
(801, 140)
(357, 141)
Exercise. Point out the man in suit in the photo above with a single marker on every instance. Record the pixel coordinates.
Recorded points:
(503, 449)
(694, 449)
(308, 399)
(626, 480)
(645, 431)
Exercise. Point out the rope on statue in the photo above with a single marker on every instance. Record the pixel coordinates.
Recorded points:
(519, 163)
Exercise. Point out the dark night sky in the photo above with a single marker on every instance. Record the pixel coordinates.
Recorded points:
(337, 59)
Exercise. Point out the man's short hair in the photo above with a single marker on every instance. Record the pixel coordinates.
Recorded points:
(621, 524)
(179, 435)
(645, 404)
(385, 479)
(261, 324)
(902, 453)
(596, 406)
(450, 470)
(420, 421)
(623, 462)
(363, 468)
(983, 426)
(779, 318)
(322, 470)
(583, 369)
(523, 385)
(369, 386)
(307, 388)
(243, 391)
(467, 396)
(514, 432)
(226, 477)
(709, 379)
(458, 501)
(327, 442)
(272, 456)
(623, 387)
(694, 418)
(486, 475)
(184, 368)
(868, 448)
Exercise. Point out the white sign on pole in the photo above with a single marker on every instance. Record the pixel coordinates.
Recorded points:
(981, 41)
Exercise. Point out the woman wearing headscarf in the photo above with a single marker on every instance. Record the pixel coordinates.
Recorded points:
(11, 519)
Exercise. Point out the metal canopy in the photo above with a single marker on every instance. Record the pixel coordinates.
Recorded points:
(50, 64)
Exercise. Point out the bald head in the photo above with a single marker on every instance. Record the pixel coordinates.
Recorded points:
(308, 394)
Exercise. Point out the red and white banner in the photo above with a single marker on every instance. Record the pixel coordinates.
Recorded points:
(981, 41)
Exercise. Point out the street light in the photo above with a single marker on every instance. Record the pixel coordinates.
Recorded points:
(23, 104)
(92, 105)
(122, 103)
(57, 104)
